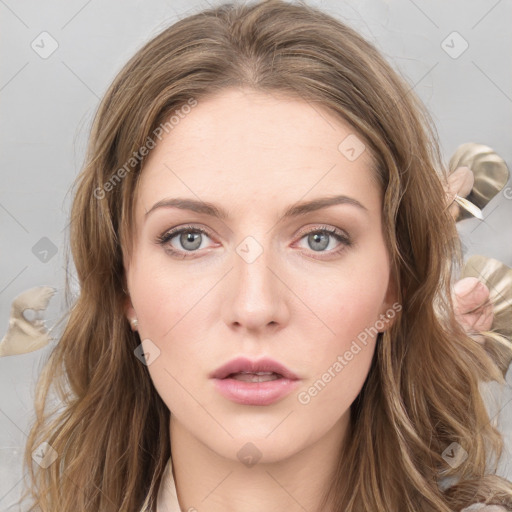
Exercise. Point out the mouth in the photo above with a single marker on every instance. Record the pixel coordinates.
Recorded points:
(249, 382)
(254, 377)
(242, 368)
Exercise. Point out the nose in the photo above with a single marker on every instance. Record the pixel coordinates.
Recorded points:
(257, 296)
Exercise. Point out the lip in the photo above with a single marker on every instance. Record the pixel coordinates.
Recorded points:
(254, 393)
(243, 364)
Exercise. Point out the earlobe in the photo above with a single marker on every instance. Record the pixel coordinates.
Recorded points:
(130, 313)
(388, 319)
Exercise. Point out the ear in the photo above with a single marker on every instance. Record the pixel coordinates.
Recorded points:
(129, 312)
(390, 305)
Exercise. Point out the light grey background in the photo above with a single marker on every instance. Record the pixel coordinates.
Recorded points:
(47, 106)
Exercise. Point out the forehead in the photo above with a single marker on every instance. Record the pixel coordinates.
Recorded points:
(240, 144)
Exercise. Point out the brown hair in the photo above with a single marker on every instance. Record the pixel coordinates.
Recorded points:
(110, 430)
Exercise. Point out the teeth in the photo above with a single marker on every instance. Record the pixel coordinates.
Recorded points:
(255, 377)
(258, 373)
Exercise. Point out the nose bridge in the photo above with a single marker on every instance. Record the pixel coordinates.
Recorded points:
(257, 297)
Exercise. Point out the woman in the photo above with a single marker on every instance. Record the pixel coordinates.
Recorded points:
(264, 251)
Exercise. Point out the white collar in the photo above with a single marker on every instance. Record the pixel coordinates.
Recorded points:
(167, 499)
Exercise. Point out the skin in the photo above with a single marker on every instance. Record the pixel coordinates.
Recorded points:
(460, 182)
(473, 307)
(255, 155)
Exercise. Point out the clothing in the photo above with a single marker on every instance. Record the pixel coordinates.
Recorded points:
(167, 500)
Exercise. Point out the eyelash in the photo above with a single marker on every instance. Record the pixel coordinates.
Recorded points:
(166, 237)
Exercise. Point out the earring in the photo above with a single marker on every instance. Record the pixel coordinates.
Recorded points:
(387, 317)
(134, 322)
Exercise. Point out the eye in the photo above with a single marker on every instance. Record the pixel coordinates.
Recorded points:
(186, 240)
(322, 238)
(180, 241)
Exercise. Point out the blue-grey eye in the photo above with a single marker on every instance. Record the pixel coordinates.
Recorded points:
(191, 240)
(319, 241)
(188, 239)
(325, 241)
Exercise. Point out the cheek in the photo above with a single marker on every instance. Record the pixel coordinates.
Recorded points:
(342, 356)
(169, 308)
(351, 300)
(172, 308)
(164, 300)
(350, 304)
(335, 388)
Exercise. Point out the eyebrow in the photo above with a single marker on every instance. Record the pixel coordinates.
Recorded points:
(295, 210)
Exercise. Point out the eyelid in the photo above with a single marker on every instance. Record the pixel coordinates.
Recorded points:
(322, 228)
(171, 233)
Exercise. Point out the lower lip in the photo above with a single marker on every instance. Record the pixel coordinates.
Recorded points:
(255, 393)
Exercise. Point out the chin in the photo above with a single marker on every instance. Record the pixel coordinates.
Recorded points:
(265, 442)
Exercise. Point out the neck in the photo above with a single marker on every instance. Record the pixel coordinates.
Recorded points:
(206, 480)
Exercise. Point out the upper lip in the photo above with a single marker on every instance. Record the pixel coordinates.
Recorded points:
(243, 364)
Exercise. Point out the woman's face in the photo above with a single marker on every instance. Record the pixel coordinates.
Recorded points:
(281, 273)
